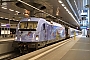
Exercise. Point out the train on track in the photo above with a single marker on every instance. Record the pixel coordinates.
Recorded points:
(34, 33)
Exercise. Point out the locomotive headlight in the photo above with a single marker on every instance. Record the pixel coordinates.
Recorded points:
(20, 38)
(15, 38)
(37, 37)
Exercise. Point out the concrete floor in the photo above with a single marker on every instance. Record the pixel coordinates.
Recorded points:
(78, 49)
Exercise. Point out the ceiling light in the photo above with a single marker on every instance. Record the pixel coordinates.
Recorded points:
(10, 19)
(60, 1)
(65, 8)
(17, 11)
(62, 4)
(6, 18)
(69, 12)
(3, 7)
(74, 1)
(38, 9)
(11, 10)
(17, 20)
(1, 17)
(20, 17)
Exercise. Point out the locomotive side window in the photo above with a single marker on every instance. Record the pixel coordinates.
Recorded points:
(44, 26)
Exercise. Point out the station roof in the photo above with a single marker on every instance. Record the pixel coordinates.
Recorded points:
(61, 9)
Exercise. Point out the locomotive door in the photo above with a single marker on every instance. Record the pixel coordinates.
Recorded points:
(45, 31)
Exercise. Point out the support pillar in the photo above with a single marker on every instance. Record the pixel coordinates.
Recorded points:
(88, 31)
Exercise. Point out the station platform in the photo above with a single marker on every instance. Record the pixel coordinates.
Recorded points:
(78, 49)
(6, 45)
(6, 39)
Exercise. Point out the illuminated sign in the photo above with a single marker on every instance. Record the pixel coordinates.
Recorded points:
(83, 27)
(5, 25)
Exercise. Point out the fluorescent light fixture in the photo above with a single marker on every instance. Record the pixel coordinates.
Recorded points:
(65, 7)
(75, 4)
(3, 24)
(17, 11)
(11, 10)
(42, 11)
(62, 4)
(17, 20)
(20, 17)
(83, 13)
(54, 17)
(38, 9)
(1, 17)
(67, 10)
(74, 1)
(60, 1)
(6, 18)
(3, 7)
(10, 19)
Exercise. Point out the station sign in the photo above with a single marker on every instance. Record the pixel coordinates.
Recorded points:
(5, 25)
(83, 27)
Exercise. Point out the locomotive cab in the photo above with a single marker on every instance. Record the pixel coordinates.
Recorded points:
(26, 31)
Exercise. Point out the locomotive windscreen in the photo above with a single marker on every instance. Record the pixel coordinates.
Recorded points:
(28, 25)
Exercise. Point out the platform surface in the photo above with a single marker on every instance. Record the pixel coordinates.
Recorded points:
(6, 39)
(78, 49)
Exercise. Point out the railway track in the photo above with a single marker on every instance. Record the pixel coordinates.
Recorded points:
(16, 54)
(10, 55)
(38, 53)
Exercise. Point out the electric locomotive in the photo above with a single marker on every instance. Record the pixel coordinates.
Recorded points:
(37, 32)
